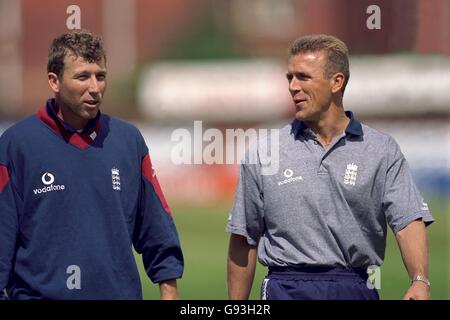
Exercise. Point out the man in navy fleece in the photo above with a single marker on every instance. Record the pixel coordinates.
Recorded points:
(78, 191)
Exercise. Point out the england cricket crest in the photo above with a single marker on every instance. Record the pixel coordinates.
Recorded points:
(350, 174)
(115, 176)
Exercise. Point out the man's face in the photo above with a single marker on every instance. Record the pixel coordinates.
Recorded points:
(309, 89)
(79, 91)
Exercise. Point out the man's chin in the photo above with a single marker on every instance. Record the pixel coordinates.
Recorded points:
(91, 109)
(90, 114)
(301, 116)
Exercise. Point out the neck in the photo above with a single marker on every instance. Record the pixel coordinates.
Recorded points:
(67, 116)
(330, 125)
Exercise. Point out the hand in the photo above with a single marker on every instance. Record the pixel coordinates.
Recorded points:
(418, 291)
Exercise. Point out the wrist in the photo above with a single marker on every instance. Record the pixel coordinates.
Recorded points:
(170, 296)
(421, 278)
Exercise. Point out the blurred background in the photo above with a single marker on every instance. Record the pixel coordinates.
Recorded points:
(223, 62)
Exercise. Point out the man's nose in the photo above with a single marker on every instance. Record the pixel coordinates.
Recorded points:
(94, 86)
(294, 85)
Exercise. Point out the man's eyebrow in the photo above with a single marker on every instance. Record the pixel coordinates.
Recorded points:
(298, 74)
(85, 73)
(81, 73)
(303, 74)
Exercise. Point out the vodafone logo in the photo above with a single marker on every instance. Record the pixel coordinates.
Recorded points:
(48, 179)
(288, 173)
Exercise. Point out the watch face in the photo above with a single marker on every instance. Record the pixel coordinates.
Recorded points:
(421, 278)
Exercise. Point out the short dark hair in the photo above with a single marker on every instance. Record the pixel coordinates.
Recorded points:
(336, 50)
(79, 43)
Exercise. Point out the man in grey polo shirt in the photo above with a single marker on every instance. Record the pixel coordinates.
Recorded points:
(321, 220)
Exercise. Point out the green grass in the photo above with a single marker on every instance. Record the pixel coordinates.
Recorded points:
(205, 246)
(394, 278)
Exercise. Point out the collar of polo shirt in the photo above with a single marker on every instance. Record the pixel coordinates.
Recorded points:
(354, 127)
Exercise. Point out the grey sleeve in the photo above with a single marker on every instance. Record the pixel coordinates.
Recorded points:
(246, 218)
(402, 201)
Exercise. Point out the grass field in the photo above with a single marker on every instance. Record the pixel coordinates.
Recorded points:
(205, 245)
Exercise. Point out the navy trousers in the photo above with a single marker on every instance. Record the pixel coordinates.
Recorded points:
(317, 283)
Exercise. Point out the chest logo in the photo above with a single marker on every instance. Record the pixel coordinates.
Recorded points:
(115, 176)
(48, 179)
(288, 174)
(350, 174)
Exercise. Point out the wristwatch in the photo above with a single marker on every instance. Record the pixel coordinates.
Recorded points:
(421, 278)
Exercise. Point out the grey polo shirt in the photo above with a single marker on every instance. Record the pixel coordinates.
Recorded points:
(326, 207)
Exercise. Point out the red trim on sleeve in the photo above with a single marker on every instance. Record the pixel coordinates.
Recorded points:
(4, 177)
(149, 173)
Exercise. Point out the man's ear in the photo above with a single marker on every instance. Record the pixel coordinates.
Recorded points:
(53, 81)
(337, 82)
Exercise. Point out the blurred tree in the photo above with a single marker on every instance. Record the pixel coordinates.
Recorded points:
(204, 40)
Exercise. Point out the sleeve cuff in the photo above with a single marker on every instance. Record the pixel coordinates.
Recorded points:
(241, 232)
(426, 218)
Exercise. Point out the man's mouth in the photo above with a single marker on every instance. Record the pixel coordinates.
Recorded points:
(298, 102)
(92, 103)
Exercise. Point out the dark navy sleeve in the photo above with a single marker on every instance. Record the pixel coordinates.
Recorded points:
(155, 235)
(8, 221)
